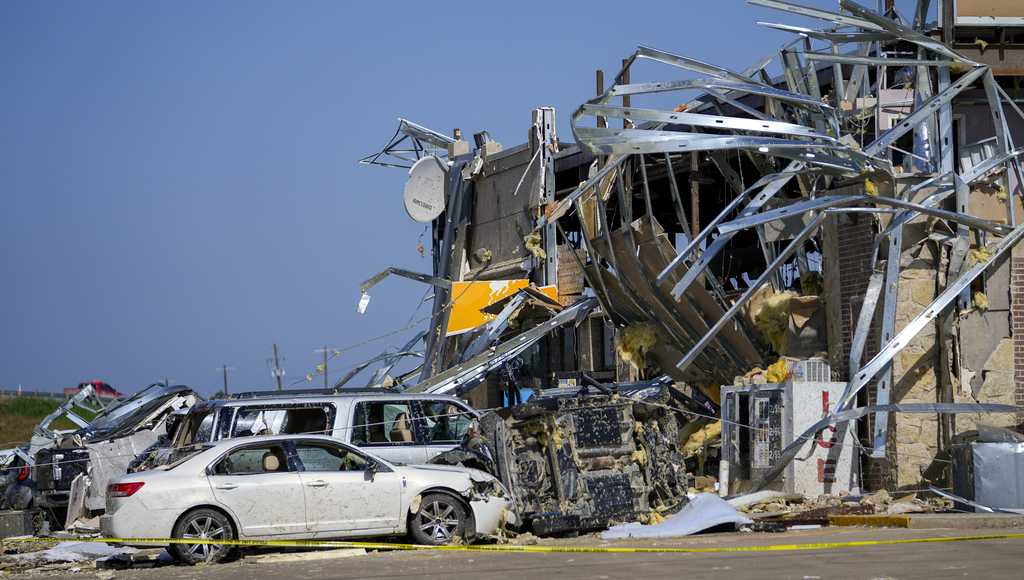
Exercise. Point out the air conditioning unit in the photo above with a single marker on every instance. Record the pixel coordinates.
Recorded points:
(760, 420)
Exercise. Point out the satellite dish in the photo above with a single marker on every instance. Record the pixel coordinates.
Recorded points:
(424, 192)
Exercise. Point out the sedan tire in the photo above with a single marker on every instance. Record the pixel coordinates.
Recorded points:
(206, 524)
(440, 520)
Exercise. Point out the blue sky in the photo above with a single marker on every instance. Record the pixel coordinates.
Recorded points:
(179, 179)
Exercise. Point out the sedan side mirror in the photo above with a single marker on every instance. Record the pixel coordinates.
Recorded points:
(370, 471)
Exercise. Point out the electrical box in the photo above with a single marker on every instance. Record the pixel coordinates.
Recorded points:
(991, 474)
(759, 421)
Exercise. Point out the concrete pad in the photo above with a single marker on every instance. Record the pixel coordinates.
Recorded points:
(958, 521)
(966, 521)
(307, 556)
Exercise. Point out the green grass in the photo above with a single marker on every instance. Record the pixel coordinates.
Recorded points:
(20, 415)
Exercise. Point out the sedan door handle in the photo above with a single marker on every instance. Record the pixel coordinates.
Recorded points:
(225, 486)
(317, 483)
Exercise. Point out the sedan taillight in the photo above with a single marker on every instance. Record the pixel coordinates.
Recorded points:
(124, 489)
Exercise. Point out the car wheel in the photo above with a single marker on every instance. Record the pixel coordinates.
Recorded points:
(440, 520)
(205, 524)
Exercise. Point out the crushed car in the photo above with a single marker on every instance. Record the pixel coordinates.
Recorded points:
(67, 471)
(576, 460)
(300, 486)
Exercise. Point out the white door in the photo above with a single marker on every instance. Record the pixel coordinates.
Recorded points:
(385, 429)
(255, 484)
(342, 495)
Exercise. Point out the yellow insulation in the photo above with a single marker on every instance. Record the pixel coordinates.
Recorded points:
(634, 342)
(532, 243)
(978, 256)
(870, 188)
(777, 371)
(639, 457)
(981, 301)
(772, 318)
(959, 68)
(699, 439)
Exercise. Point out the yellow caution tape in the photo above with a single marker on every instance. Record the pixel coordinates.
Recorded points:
(527, 549)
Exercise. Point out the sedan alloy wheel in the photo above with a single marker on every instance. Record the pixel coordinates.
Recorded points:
(202, 524)
(440, 520)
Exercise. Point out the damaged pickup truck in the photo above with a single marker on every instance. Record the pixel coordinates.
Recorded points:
(578, 462)
(70, 469)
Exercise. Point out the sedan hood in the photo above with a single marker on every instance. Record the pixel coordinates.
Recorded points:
(473, 474)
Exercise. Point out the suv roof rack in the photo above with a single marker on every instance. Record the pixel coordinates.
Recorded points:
(307, 393)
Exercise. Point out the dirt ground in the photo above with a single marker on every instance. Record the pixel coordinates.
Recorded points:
(981, 559)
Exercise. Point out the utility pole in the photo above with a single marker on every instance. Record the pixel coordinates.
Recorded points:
(277, 371)
(225, 369)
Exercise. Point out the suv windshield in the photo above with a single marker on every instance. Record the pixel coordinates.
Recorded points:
(125, 414)
(196, 428)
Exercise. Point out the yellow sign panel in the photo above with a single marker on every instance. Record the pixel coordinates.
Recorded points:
(469, 297)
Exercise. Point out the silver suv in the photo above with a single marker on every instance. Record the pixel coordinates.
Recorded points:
(399, 427)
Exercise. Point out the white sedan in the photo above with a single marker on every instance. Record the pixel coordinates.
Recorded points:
(299, 487)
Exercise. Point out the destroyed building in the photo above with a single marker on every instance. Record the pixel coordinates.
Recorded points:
(851, 202)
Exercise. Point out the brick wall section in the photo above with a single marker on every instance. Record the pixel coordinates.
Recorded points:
(1017, 328)
(855, 240)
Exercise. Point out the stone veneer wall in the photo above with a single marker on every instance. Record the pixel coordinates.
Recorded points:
(914, 440)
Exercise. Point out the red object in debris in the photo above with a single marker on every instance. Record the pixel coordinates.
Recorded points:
(832, 428)
(124, 489)
(23, 473)
(102, 390)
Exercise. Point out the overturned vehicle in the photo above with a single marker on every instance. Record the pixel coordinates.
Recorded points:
(576, 460)
(70, 469)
